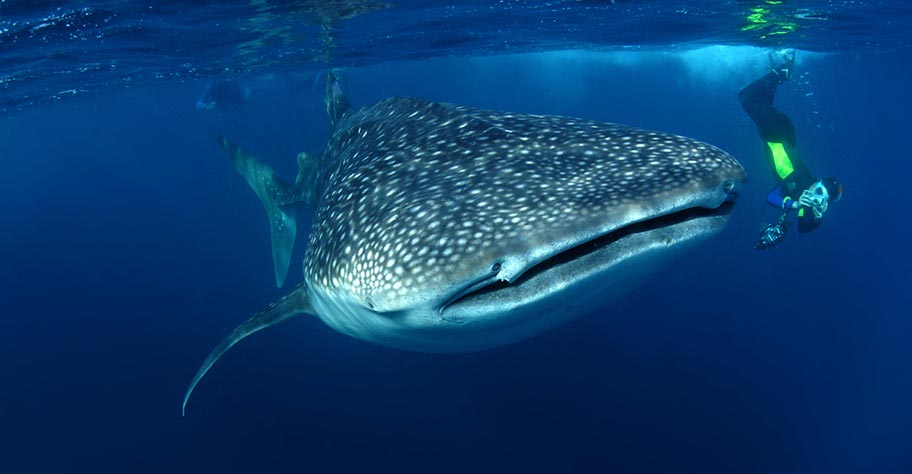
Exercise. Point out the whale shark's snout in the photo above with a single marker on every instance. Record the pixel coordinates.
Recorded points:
(577, 278)
(577, 257)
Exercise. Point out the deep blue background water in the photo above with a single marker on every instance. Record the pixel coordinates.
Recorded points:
(129, 247)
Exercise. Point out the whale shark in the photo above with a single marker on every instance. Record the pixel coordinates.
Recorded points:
(446, 228)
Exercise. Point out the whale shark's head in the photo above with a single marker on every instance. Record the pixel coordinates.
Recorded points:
(448, 229)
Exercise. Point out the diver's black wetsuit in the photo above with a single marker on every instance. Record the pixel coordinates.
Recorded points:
(778, 133)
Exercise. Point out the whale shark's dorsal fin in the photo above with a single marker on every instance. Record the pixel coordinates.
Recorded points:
(295, 303)
(305, 187)
(276, 195)
(337, 106)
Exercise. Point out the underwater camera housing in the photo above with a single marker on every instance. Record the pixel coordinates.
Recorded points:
(772, 235)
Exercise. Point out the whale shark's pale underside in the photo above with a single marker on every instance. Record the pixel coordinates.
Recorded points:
(443, 228)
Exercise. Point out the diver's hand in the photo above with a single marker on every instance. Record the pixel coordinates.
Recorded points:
(816, 204)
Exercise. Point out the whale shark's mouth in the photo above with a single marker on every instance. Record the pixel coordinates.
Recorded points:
(490, 285)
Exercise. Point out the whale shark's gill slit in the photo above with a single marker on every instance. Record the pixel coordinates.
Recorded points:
(589, 247)
(473, 287)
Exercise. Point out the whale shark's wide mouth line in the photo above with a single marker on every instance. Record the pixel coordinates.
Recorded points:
(592, 246)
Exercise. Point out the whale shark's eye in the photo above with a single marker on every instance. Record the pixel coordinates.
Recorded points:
(496, 267)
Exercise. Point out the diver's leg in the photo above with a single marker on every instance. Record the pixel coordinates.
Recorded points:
(757, 100)
(760, 93)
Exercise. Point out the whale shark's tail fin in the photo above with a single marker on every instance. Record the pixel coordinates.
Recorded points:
(337, 105)
(276, 195)
(295, 303)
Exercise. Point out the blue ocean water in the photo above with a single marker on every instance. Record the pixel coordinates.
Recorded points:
(129, 245)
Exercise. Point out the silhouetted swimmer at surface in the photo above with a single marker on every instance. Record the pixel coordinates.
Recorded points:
(221, 94)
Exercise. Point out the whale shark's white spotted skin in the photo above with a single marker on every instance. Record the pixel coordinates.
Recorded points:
(445, 228)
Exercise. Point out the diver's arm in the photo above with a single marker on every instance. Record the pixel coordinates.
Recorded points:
(780, 200)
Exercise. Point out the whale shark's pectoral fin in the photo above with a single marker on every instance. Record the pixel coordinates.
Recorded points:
(275, 194)
(293, 304)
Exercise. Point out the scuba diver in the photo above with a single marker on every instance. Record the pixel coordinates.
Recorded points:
(796, 190)
(217, 95)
